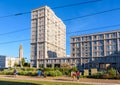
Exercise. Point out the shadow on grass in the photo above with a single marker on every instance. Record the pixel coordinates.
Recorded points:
(16, 83)
(63, 79)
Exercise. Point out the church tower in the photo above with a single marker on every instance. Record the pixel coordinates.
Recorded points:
(20, 54)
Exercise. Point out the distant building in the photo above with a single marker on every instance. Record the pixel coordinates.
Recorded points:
(6, 62)
(99, 50)
(48, 36)
(20, 54)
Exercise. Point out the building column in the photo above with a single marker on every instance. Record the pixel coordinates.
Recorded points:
(104, 45)
(53, 65)
(37, 63)
(44, 63)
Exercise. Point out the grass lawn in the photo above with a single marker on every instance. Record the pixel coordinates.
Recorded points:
(33, 82)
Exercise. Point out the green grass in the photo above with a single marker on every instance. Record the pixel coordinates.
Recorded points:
(33, 82)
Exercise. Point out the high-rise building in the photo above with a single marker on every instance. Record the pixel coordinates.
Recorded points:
(48, 36)
(98, 50)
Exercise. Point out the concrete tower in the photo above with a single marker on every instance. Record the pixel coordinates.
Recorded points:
(20, 54)
(48, 36)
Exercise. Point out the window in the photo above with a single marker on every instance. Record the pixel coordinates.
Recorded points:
(107, 53)
(89, 37)
(73, 39)
(100, 36)
(119, 34)
(95, 48)
(94, 37)
(73, 45)
(114, 48)
(77, 39)
(100, 48)
(101, 54)
(107, 48)
(95, 54)
(114, 42)
(82, 38)
(77, 45)
(107, 36)
(95, 43)
(107, 41)
(113, 35)
(89, 43)
(100, 42)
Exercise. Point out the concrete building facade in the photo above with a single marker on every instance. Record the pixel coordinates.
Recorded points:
(6, 62)
(48, 44)
(48, 36)
(100, 50)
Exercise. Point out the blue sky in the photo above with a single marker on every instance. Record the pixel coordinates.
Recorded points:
(8, 24)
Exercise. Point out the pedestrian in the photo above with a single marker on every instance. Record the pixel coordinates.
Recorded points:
(43, 74)
(15, 72)
(73, 75)
(78, 75)
(39, 73)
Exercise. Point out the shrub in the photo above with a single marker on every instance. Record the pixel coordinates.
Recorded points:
(97, 75)
(48, 69)
(65, 71)
(106, 76)
(82, 76)
(28, 73)
(74, 69)
(112, 73)
(118, 76)
(53, 73)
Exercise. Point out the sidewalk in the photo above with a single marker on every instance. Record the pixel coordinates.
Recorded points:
(66, 79)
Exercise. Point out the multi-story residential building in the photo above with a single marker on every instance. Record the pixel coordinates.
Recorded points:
(6, 62)
(48, 36)
(48, 44)
(100, 50)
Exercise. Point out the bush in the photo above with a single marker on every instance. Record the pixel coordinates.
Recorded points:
(53, 73)
(82, 76)
(112, 73)
(118, 76)
(106, 76)
(48, 69)
(97, 75)
(65, 71)
(74, 69)
(28, 73)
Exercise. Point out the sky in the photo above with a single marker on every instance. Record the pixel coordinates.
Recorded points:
(13, 23)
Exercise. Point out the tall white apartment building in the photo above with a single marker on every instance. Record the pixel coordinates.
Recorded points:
(48, 36)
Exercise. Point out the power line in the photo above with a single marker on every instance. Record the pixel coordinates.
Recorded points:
(69, 19)
(14, 31)
(17, 14)
(67, 33)
(95, 28)
(14, 41)
(115, 9)
(76, 4)
(22, 13)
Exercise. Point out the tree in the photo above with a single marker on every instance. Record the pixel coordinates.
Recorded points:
(22, 62)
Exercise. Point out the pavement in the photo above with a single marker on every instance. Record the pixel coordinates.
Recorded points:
(65, 79)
